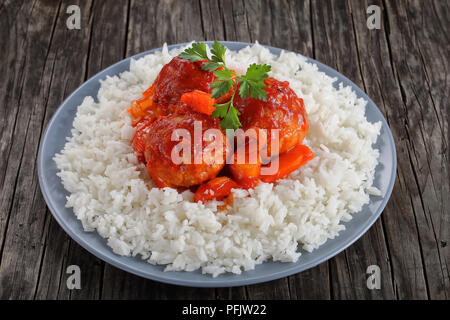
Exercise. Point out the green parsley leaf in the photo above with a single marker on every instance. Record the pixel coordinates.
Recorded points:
(229, 115)
(196, 53)
(255, 88)
(224, 74)
(210, 66)
(231, 120)
(220, 110)
(220, 88)
(258, 92)
(257, 72)
(243, 88)
(252, 83)
(218, 52)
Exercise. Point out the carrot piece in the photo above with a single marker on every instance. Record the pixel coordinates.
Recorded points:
(217, 188)
(249, 183)
(199, 101)
(140, 106)
(247, 173)
(149, 92)
(288, 162)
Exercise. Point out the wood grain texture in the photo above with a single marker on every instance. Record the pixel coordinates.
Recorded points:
(337, 47)
(380, 84)
(24, 217)
(420, 51)
(403, 67)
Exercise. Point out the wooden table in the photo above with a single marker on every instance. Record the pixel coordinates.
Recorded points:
(403, 66)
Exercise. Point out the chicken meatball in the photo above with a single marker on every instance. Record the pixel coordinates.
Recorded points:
(176, 78)
(178, 158)
(282, 110)
(180, 76)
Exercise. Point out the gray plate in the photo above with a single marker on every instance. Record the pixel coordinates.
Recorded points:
(55, 195)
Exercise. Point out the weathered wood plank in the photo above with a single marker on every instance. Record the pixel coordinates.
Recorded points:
(273, 290)
(335, 45)
(52, 276)
(385, 83)
(62, 75)
(68, 52)
(104, 43)
(107, 46)
(420, 49)
(212, 20)
(163, 22)
(379, 83)
(235, 293)
(28, 41)
(312, 284)
(13, 39)
(118, 284)
(235, 20)
(284, 24)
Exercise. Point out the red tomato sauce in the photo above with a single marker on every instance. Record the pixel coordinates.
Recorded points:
(162, 110)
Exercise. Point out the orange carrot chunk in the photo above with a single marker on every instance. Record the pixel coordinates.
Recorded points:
(140, 106)
(246, 173)
(288, 162)
(217, 188)
(249, 183)
(149, 92)
(199, 101)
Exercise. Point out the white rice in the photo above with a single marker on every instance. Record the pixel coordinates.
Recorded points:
(110, 191)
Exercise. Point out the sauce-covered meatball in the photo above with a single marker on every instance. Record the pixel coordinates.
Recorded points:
(180, 76)
(283, 110)
(176, 78)
(172, 166)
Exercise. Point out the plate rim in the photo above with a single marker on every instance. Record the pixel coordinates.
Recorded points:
(211, 282)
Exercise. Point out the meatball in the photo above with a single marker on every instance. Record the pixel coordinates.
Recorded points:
(181, 167)
(283, 110)
(180, 76)
(177, 77)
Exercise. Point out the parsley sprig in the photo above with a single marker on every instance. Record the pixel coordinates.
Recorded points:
(252, 83)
